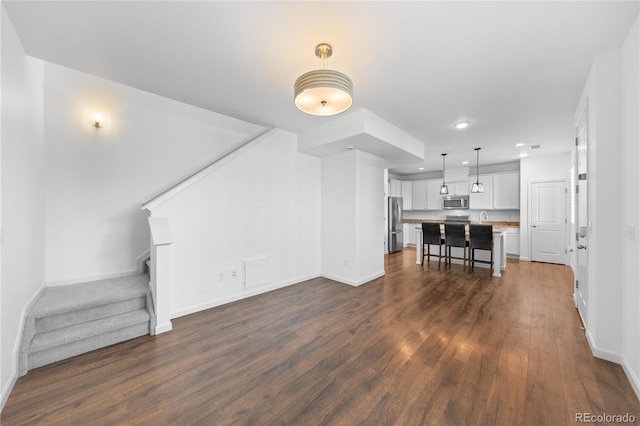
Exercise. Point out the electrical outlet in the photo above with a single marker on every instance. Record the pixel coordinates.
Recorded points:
(346, 262)
(234, 274)
(221, 276)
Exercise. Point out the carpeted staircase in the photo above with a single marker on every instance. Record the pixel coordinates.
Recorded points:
(69, 320)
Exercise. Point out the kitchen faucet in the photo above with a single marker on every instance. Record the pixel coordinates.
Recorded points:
(485, 216)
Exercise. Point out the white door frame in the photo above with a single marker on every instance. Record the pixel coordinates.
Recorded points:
(581, 295)
(530, 216)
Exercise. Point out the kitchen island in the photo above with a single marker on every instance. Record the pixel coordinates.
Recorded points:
(499, 249)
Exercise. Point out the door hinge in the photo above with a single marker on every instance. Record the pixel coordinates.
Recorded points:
(576, 141)
(577, 284)
(577, 189)
(565, 220)
(582, 176)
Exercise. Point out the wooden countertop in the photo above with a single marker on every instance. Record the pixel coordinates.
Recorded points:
(486, 222)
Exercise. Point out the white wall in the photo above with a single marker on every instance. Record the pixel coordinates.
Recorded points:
(538, 169)
(370, 200)
(631, 204)
(98, 178)
(352, 217)
(612, 95)
(23, 186)
(339, 216)
(261, 211)
(602, 93)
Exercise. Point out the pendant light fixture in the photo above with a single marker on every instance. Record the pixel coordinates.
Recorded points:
(444, 189)
(477, 186)
(323, 91)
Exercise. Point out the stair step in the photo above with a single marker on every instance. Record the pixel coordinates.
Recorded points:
(76, 297)
(58, 353)
(71, 318)
(63, 336)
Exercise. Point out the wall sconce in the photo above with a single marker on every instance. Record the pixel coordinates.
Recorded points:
(96, 119)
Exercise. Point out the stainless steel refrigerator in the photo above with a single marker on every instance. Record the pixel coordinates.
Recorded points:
(395, 239)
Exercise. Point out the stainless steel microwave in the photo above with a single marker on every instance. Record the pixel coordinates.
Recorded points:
(455, 202)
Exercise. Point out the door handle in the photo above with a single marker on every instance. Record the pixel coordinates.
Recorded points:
(534, 226)
(581, 247)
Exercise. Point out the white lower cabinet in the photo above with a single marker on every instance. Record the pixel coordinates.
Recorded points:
(409, 234)
(513, 242)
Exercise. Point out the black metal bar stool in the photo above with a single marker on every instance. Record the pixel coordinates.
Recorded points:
(431, 235)
(455, 236)
(481, 238)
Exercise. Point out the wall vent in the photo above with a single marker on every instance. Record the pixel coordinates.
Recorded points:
(256, 272)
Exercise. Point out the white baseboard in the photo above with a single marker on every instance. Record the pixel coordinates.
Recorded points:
(80, 280)
(618, 359)
(524, 259)
(352, 282)
(633, 378)
(141, 259)
(6, 390)
(239, 296)
(162, 328)
(8, 387)
(602, 353)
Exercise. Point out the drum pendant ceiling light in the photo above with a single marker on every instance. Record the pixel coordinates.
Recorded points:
(323, 91)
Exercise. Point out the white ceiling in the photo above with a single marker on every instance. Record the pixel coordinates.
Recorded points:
(515, 70)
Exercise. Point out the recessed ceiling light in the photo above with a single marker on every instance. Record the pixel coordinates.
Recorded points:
(420, 168)
(462, 125)
(465, 162)
(523, 155)
(520, 144)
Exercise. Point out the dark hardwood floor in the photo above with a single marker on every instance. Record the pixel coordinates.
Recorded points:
(418, 346)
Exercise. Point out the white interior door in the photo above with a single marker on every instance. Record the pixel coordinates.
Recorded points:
(548, 222)
(582, 219)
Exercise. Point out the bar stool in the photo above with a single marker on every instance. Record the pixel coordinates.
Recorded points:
(481, 238)
(455, 236)
(431, 234)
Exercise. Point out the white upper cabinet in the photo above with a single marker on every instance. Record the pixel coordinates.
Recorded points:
(419, 195)
(407, 195)
(501, 192)
(395, 188)
(458, 188)
(482, 200)
(434, 199)
(506, 191)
